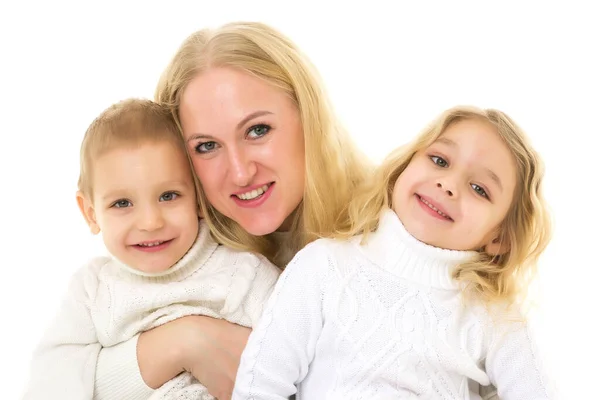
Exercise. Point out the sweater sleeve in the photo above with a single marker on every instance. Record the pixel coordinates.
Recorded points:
(282, 345)
(64, 363)
(118, 374)
(514, 365)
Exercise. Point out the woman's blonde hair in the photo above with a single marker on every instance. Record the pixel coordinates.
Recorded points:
(333, 164)
(526, 227)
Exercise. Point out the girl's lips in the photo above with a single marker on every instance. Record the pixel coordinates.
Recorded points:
(433, 208)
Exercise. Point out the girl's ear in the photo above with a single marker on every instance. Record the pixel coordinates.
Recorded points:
(497, 246)
(87, 210)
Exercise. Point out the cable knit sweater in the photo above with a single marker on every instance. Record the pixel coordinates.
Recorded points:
(108, 304)
(383, 320)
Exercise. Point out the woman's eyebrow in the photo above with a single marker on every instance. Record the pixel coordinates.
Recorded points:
(240, 124)
(251, 116)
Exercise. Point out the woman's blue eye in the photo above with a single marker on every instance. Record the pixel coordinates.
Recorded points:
(169, 196)
(479, 190)
(439, 161)
(206, 147)
(122, 204)
(258, 131)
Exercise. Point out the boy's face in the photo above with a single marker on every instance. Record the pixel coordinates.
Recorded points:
(456, 193)
(144, 204)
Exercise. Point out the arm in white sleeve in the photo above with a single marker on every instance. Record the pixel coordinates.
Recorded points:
(514, 365)
(283, 344)
(64, 363)
(118, 373)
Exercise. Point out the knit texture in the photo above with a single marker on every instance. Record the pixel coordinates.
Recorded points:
(89, 351)
(380, 321)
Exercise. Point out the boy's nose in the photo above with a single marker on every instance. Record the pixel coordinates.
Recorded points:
(150, 219)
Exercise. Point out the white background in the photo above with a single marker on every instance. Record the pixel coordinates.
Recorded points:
(389, 69)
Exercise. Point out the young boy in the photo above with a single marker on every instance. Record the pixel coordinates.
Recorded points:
(137, 188)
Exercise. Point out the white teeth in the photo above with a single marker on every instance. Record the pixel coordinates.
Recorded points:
(253, 193)
(434, 208)
(150, 244)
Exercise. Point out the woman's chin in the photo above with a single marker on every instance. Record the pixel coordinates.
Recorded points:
(260, 226)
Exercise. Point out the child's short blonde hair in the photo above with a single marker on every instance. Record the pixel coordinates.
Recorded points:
(526, 227)
(129, 123)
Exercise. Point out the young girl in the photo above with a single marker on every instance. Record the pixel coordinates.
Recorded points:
(137, 188)
(422, 299)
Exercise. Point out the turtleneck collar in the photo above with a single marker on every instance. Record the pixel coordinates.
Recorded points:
(194, 259)
(396, 250)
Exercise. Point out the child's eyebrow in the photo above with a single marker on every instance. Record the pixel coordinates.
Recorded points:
(447, 141)
(183, 183)
(115, 194)
(494, 177)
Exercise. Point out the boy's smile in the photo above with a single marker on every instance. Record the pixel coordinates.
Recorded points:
(144, 204)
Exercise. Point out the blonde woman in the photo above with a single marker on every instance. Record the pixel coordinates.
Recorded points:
(421, 296)
(275, 170)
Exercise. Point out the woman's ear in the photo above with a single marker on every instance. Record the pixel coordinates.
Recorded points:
(87, 210)
(497, 246)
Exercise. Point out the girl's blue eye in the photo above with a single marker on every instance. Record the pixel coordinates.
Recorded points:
(169, 196)
(439, 161)
(206, 147)
(122, 203)
(479, 190)
(258, 131)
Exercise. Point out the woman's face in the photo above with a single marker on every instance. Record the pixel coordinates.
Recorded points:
(247, 146)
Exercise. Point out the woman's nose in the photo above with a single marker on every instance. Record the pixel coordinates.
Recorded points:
(241, 168)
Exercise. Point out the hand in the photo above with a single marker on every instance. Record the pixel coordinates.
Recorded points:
(214, 354)
(160, 352)
(208, 348)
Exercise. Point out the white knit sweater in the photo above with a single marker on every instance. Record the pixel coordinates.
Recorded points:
(383, 321)
(109, 304)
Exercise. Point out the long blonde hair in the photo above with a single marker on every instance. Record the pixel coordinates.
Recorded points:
(526, 227)
(333, 164)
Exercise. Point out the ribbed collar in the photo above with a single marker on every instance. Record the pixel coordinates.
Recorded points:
(194, 259)
(394, 249)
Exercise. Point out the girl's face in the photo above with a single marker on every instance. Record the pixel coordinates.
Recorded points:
(455, 193)
(246, 143)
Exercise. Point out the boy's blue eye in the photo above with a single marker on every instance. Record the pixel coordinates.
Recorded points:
(258, 131)
(439, 161)
(122, 204)
(169, 196)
